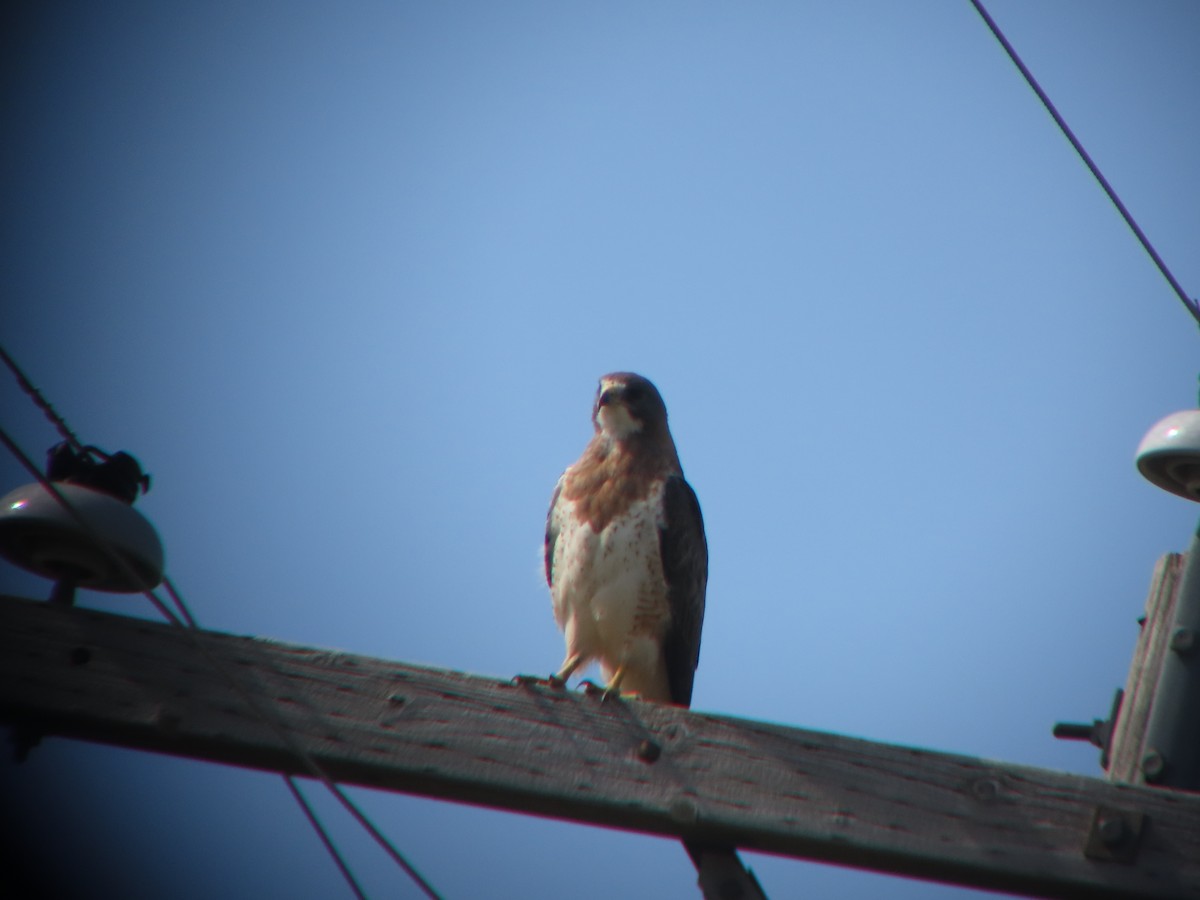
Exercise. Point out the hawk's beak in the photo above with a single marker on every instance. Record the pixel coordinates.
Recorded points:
(610, 395)
(613, 415)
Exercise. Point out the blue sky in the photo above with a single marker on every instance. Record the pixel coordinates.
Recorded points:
(343, 279)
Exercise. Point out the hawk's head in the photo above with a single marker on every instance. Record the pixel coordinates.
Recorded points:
(628, 404)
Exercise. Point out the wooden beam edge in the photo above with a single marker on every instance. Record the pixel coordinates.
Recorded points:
(446, 734)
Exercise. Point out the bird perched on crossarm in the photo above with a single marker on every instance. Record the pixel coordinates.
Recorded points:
(626, 558)
(627, 565)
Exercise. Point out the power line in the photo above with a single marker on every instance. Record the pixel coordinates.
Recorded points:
(325, 838)
(105, 547)
(395, 854)
(191, 629)
(169, 587)
(1193, 306)
(41, 402)
(315, 769)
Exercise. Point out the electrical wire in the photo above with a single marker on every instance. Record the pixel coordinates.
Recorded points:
(105, 547)
(319, 773)
(395, 854)
(41, 402)
(186, 613)
(276, 724)
(270, 720)
(1193, 306)
(191, 629)
(325, 838)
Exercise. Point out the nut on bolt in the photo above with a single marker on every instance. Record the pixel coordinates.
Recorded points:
(1115, 835)
(684, 811)
(1111, 830)
(648, 751)
(1153, 765)
(1183, 640)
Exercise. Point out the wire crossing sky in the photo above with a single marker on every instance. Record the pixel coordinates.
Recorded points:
(190, 622)
(1189, 303)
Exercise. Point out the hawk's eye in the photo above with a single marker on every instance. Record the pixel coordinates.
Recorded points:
(633, 393)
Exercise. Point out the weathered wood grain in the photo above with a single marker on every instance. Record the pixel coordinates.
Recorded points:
(1129, 735)
(625, 764)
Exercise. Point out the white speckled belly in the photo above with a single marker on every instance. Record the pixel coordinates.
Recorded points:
(609, 592)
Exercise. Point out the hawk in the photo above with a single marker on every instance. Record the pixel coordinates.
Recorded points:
(625, 553)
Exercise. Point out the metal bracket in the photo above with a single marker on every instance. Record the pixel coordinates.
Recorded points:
(1098, 733)
(1114, 835)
